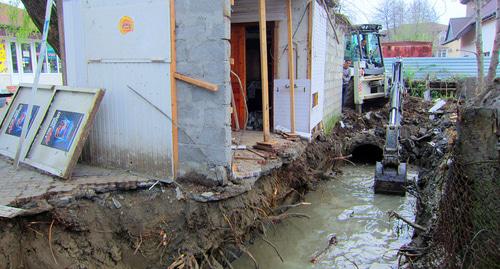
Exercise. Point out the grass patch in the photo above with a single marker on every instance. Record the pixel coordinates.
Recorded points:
(331, 122)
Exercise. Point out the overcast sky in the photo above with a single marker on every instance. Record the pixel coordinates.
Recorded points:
(362, 9)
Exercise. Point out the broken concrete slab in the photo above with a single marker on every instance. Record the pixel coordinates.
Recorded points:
(10, 212)
(24, 185)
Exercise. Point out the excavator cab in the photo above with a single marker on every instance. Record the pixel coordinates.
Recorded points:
(368, 80)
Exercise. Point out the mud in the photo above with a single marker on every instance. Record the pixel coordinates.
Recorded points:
(160, 227)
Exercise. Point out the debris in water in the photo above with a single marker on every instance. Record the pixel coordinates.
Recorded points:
(332, 241)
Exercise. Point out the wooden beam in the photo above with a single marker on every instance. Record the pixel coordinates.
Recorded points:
(263, 69)
(235, 112)
(309, 39)
(173, 92)
(291, 73)
(200, 83)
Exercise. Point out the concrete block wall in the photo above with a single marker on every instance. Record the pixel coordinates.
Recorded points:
(203, 52)
(333, 72)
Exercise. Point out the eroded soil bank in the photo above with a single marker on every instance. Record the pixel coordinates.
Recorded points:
(458, 201)
(154, 229)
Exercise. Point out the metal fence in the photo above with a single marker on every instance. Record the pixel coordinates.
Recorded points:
(439, 68)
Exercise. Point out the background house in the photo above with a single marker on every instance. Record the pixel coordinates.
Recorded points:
(19, 50)
(462, 30)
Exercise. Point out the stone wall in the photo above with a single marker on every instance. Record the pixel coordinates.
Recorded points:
(203, 52)
(333, 73)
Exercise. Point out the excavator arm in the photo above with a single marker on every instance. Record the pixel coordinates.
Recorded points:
(390, 173)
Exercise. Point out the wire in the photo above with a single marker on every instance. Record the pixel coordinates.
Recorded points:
(244, 99)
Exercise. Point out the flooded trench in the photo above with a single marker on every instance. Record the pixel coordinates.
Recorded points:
(347, 208)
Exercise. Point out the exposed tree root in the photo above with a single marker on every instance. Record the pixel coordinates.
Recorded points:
(50, 242)
(393, 214)
(275, 248)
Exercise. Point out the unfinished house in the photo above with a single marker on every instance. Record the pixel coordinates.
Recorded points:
(191, 81)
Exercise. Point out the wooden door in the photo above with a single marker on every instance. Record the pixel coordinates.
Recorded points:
(238, 66)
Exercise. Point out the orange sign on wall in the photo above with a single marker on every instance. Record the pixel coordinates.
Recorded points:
(126, 25)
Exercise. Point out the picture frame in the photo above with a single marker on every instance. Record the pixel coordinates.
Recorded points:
(12, 120)
(61, 136)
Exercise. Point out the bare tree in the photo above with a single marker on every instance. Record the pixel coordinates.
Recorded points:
(492, 71)
(479, 46)
(421, 11)
(394, 13)
(384, 13)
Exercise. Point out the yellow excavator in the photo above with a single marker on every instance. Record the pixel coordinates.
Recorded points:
(367, 72)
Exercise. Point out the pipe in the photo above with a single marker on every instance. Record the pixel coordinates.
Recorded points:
(244, 99)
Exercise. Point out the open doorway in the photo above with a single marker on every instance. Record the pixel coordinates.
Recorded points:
(245, 67)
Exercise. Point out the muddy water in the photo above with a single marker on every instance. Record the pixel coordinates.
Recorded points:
(348, 209)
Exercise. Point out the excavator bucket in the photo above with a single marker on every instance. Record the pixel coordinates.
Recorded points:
(390, 180)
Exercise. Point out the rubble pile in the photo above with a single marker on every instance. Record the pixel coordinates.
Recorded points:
(425, 133)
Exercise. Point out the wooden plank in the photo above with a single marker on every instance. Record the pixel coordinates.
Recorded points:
(291, 73)
(10, 212)
(309, 39)
(234, 112)
(276, 48)
(197, 82)
(173, 92)
(264, 71)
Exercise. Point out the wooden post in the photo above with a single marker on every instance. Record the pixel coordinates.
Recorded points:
(309, 39)
(291, 73)
(173, 92)
(263, 67)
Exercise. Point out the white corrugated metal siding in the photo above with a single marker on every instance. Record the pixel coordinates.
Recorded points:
(282, 104)
(318, 63)
(440, 68)
(248, 11)
(132, 130)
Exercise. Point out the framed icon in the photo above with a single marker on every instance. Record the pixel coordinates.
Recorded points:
(14, 118)
(65, 127)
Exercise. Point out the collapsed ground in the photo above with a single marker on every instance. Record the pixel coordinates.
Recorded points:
(158, 227)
